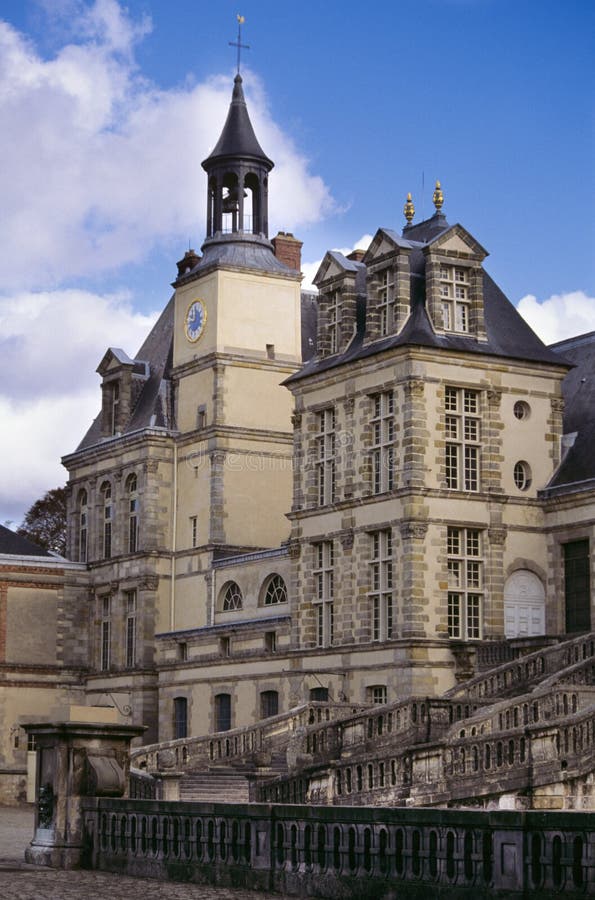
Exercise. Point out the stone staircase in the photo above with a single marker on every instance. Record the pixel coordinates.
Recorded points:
(215, 786)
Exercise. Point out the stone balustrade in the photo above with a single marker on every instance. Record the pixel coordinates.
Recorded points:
(201, 751)
(346, 852)
(520, 674)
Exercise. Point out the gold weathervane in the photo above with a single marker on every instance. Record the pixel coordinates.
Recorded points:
(409, 209)
(438, 197)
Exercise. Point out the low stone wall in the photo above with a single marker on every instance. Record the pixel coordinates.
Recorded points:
(345, 852)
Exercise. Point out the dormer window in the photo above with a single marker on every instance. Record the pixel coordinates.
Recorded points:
(454, 294)
(386, 301)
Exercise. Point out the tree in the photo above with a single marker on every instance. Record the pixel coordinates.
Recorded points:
(45, 523)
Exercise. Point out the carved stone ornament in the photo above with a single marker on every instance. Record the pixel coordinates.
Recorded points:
(415, 386)
(151, 466)
(296, 419)
(346, 538)
(494, 397)
(149, 583)
(415, 530)
(45, 805)
(114, 587)
(349, 405)
(497, 535)
(557, 404)
(295, 549)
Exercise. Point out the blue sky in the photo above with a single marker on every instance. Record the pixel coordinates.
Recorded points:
(107, 109)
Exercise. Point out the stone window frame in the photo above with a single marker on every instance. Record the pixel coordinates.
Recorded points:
(462, 427)
(382, 427)
(325, 455)
(377, 694)
(456, 307)
(465, 577)
(323, 571)
(231, 598)
(105, 632)
(106, 492)
(132, 501)
(385, 300)
(381, 594)
(130, 627)
(82, 523)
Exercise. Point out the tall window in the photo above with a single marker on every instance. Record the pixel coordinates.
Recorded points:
(232, 596)
(83, 526)
(454, 293)
(386, 301)
(334, 321)
(222, 712)
(269, 704)
(381, 581)
(131, 485)
(377, 693)
(180, 717)
(130, 597)
(462, 438)
(383, 435)
(106, 632)
(324, 577)
(193, 531)
(325, 456)
(114, 407)
(465, 582)
(577, 586)
(106, 493)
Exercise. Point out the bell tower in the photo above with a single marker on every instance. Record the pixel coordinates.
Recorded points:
(237, 337)
(237, 171)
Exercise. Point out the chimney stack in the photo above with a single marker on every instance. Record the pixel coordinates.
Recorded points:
(288, 250)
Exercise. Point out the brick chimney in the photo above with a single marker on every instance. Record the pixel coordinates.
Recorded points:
(288, 250)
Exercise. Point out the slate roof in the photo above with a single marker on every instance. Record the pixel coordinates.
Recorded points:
(578, 389)
(13, 544)
(237, 138)
(152, 404)
(243, 251)
(508, 335)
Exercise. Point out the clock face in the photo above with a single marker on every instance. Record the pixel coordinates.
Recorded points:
(194, 323)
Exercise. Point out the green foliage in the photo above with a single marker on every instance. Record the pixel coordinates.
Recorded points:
(45, 523)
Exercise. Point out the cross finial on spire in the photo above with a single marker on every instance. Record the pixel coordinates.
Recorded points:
(238, 43)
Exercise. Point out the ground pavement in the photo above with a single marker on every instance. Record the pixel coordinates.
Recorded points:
(20, 881)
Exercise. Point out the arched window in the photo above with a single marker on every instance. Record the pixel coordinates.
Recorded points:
(275, 591)
(269, 704)
(232, 597)
(82, 525)
(106, 493)
(522, 475)
(131, 491)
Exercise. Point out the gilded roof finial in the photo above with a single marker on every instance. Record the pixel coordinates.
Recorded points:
(409, 209)
(438, 197)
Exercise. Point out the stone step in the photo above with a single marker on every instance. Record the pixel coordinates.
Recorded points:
(218, 787)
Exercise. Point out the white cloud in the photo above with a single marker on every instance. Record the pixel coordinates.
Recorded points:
(98, 165)
(50, 345)
(560, 316)
(310, 269)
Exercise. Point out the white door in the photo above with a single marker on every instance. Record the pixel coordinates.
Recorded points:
(524, 605)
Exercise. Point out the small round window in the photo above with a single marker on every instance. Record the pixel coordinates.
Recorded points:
(521, 409)
(232, 597)
(522, 476)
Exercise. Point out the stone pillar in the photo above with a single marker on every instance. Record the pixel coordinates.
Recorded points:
(74, 760)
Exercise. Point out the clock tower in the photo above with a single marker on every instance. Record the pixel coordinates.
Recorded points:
(237, 336)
